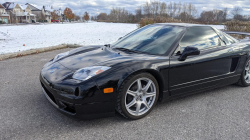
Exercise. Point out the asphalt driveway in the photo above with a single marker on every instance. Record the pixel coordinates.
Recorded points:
(25, 113)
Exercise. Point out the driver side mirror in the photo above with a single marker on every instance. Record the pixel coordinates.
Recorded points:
(120, 38)
(188, 51)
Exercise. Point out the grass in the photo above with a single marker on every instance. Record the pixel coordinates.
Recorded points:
(238, 26)
(158, 19)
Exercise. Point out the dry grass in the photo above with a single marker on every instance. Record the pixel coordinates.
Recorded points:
(158, 19)
(238, 26)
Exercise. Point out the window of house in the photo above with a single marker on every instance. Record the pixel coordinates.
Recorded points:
(201, 37)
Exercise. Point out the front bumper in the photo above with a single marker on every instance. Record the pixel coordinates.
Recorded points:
(74, 106)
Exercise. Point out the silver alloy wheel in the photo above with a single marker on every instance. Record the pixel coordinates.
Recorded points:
(142, 99)
(247, 72)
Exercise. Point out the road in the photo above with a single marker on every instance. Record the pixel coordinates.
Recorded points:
(25, 113)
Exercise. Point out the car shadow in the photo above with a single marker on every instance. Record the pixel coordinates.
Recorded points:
(53, 116)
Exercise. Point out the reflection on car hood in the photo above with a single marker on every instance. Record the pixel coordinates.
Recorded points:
(99, 56)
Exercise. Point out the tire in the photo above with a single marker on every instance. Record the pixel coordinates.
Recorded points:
(135, 102)
(245, 75)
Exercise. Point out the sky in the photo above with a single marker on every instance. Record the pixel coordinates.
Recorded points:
(94, 7)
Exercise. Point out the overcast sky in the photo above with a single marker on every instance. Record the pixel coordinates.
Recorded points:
(97, 6)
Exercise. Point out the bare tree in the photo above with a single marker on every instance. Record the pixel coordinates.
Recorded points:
(236, 12)
(102, 16)
(138, 14)
(218, 15)
(118, 15)
(163, 9)
(192, 11)
(131, 18)
(225, 11)
(207, 16)
(170, 9)
(183, 15)
(175, 7)
(179, 6)
(77, 18)
(146, 9)
(155, 7)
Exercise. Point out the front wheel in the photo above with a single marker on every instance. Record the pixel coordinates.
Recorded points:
(137, 96)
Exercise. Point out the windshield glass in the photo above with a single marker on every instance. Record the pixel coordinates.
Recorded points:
(153, 39)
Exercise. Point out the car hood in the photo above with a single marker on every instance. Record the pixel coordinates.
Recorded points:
(100, 56)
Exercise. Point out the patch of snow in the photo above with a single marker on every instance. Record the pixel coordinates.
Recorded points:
(26, 37)
(21, 38)
(219, 27)
(23, 6)
(12, 5)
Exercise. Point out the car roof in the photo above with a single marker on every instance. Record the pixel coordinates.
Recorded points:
(182, 24)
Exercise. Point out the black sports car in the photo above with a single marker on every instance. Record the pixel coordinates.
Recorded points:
(151, 64)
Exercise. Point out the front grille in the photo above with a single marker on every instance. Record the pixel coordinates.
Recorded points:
(49, 93)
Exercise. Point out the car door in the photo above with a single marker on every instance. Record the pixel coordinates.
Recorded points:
(202, 71)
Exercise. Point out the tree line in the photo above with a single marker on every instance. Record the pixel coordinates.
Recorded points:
(69, 15)
(184, 12)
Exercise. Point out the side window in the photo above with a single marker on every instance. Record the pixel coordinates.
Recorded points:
(202, 37)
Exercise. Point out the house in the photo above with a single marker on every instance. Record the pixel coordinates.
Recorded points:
(42, 12)
(4, 16)
(60, 14)
(19, 13)
(47, 10)
(27, 13)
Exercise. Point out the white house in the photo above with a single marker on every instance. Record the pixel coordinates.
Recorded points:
(42, 12)
(19, 12)
(4, 16)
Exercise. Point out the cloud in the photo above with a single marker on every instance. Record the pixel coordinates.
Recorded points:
(95, 7)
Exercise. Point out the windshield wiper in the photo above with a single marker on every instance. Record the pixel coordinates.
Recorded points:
(127, 50)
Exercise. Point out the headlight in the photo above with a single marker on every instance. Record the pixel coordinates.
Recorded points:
(60, 56)
(88, 72)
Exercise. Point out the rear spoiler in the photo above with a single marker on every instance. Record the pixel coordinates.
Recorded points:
(238, 33)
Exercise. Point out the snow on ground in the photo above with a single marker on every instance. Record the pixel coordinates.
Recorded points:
(219, 27)
(13, 38)
(26, 37)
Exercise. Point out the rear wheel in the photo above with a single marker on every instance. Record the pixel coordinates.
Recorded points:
(137, 96)
(245, 76)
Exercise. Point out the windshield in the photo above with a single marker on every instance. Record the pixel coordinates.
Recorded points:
(153, 39)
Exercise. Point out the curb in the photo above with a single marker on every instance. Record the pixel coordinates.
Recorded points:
(36, 51)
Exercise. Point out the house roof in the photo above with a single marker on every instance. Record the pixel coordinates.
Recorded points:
(1, 6)
(34, 7)
(9, 5)
(48, 8)
(59, 12)
(23, 6)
